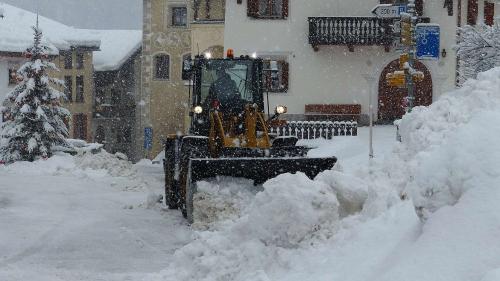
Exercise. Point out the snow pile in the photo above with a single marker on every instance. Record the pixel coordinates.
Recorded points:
(220, 200)
(114, 165)
(449, 147)
(86, 164)
(290, 212)
(290, 209)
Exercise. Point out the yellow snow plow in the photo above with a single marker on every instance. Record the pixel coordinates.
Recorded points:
(229, 134)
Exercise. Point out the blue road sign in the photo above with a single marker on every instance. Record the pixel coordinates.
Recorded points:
(148, 138)
(427, 41)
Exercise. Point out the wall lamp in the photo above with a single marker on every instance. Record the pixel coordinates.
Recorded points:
(443, 53)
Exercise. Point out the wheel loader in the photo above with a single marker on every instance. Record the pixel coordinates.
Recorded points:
(229, 133)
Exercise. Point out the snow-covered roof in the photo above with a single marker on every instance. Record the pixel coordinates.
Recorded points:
(16, 33)
(117, 46)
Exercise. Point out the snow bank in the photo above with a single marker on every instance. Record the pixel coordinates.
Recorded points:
(363, 224)
(85, 164)
(450, 147)
(114, 165)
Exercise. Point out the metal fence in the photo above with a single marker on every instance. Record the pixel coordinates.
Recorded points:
(317, 129)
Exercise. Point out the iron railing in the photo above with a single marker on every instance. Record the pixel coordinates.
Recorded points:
(316, 129)
(350, 31)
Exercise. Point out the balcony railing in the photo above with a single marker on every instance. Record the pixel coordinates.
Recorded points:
(350, 31)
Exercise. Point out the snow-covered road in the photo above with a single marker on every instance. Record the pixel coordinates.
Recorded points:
(67, 219)
(63, 226)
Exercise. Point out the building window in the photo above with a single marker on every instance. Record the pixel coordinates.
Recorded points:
(68, 88)
(80, 59)
(80, 126)
(79, 89)
(115, 97)
(270, 9)
(162, 67)
(179, 16)
(12, 77)
(127, 135)
(68, 60)
(186, 67)
(276, 73)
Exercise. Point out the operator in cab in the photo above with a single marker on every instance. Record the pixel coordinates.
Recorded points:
(224, 89)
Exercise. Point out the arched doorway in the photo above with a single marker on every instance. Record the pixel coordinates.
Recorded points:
(391, 105)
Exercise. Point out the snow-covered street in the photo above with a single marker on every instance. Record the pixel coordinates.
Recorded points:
(63, 223)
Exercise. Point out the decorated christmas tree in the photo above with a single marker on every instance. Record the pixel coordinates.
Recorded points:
(35, 121)
(478, 50)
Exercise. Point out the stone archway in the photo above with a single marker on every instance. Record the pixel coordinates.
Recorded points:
(391, 105)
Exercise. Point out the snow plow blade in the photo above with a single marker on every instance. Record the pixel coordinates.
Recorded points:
(257, 169)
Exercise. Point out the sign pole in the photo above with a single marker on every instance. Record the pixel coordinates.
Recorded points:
(411, 52)
(370, 79)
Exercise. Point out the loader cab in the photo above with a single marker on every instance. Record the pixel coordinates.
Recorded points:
(226, 85)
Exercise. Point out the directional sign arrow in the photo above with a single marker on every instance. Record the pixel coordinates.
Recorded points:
(388, 11)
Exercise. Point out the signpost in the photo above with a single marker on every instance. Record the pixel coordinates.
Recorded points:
(388, 11)
(427, 36)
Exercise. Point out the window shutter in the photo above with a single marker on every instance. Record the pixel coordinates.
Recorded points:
(472, 8)
(489, 13)
(419, 7)
(285, 69)
(253, 8)
(285, 9)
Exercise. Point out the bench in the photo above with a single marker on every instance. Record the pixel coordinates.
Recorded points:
(332, 112)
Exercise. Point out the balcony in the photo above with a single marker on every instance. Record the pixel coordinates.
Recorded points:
(350, 31)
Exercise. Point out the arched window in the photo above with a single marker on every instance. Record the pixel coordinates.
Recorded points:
(186, 67)
(162, 66)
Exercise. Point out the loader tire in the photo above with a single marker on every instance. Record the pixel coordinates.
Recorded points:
(169, 165)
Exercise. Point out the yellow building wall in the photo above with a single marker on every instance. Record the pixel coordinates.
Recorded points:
(88, 88)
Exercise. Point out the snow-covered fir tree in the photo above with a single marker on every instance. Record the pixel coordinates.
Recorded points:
(478, 49)
(35, 118)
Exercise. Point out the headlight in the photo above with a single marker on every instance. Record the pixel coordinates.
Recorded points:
(198, 109)
(281, 109)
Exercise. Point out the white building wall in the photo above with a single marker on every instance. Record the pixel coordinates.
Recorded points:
(333, 75)
(7, 63)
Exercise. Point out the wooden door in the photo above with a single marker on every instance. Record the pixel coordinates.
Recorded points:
(391, 100)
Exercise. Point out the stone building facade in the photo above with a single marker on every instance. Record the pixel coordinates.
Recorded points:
(174, 31)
